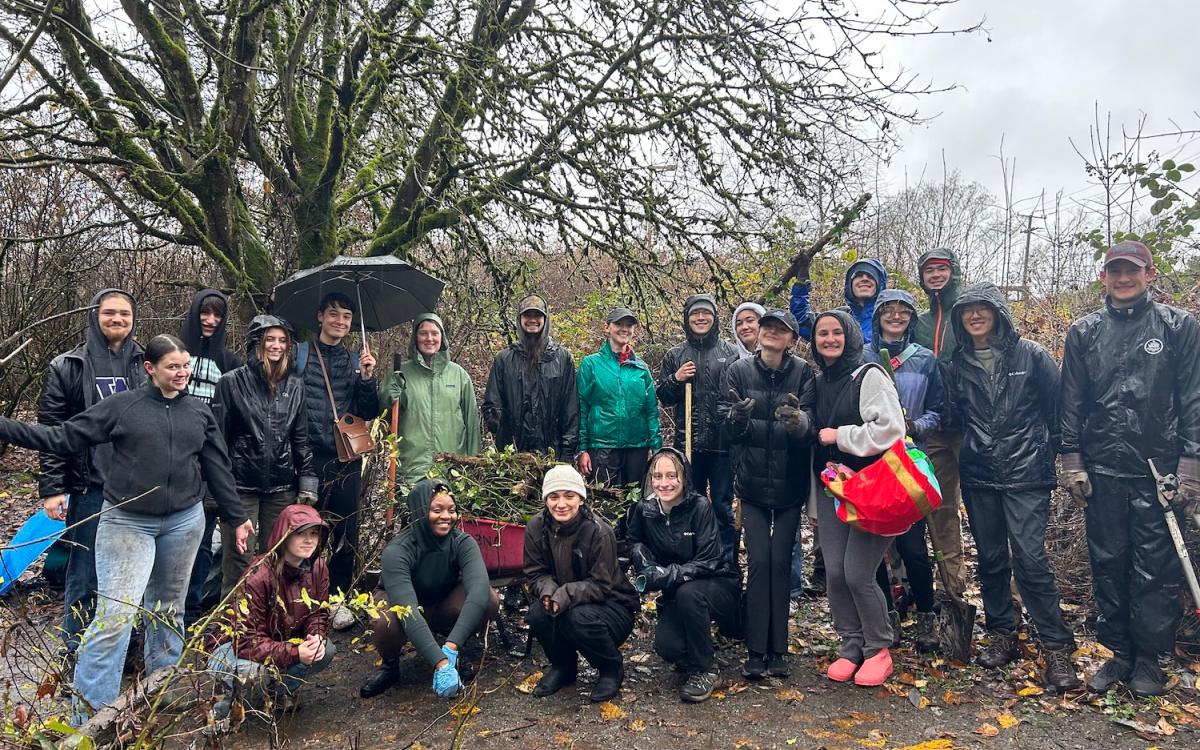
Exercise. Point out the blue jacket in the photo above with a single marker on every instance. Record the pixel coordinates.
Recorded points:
(918, 380)
(864, 314)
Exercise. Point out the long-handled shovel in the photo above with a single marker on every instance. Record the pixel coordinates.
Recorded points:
(687, 420)
(1167, 486)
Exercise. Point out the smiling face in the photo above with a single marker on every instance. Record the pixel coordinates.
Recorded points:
(1126, 282)
(830, 338)
(894, 319)
(863, 286)
(301, 545)
(429, 338)
(666, 480)
(935, 275)
(701, 321)
(171, 373)
(335, 322)
(979, 319)
(746, 328)
(774, 336)
(443, 513)
(115, 317)
(563, 505)
(275, 344)
(620, 334)
(532, 322)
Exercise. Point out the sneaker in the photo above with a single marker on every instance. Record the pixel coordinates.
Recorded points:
(777, 665)
(755, 667)
(1060, 669)
(894, 619)
(841, 670)
(341, 618)
(555, 679)
(1148, 678)
(1000, 651)
(1117, 669)
(874, 671)
(699, 687)
(926, 638)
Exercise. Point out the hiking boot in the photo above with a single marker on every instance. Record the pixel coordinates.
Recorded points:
(1148, 678)
(699, 687)
(777, 665)
(1060, 669)
(1117, 669)
(1000, 651)
(755, 667)
(874, 671)
(608, 684)
(894, 619)
(384, 677)
(927, 639)
(555, 679)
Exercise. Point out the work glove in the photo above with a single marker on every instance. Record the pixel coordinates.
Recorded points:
(1074, 479)
(306, 497)
(1187, 498)
(446, 682)
(791, 416)
(451, 655)
(740, 411)
(910, 428)
(562, 598)
(803, 266)
(650, 579)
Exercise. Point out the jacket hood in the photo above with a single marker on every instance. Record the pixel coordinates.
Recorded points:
(852, 354)
(413, 353)
(876, 270)
(743, 352)
(96, 343)
(259, 327)
(193, 335)
(948, 293)
(293, 518)
(1004, 334)
(892, 295)
(419, 499)
(713, 333)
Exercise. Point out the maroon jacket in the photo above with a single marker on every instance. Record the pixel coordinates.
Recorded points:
(270, 610)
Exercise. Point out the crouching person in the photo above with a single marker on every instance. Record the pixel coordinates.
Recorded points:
(278, 639)
(583, 604)
(675, 549)
(436, 570)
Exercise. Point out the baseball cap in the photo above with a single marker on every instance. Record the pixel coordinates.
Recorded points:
(533, 302)
(1134, 252)
(620, 313)
(782, 317)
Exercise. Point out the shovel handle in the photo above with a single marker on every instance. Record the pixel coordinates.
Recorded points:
(687, 420)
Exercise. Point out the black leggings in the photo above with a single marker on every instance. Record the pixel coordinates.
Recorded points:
(912, 550)
(769, 536)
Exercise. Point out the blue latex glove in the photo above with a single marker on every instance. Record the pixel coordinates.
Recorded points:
(446, 682)
(452, 655)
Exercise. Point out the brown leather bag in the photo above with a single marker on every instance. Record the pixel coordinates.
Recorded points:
(351, 434)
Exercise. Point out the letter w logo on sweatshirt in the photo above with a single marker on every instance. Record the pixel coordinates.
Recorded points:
(109, 386)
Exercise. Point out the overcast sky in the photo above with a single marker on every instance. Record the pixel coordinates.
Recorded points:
(1036, 83)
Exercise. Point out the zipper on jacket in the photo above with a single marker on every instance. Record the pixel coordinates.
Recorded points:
(170, 452)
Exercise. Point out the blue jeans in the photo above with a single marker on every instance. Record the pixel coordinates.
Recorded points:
(225, 665)
(142, 566)
(79, 598)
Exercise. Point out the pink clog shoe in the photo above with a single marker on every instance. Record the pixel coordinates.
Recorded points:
(841, 670)
(874, 671)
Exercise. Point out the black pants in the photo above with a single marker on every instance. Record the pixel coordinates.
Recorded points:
(1015, 519)
(617, 467)
(712, 476)
(769, 536)
(339, 488)
(197, 604)
(594, 630)
(910, 547)
(682, 635)
(1135, 569)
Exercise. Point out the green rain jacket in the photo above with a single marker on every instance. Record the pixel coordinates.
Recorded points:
(618, 407)
(934, 331)
(437, 406)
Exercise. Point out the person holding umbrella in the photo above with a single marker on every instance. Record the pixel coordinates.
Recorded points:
(326, 367)
(618, 409)
(437, 401)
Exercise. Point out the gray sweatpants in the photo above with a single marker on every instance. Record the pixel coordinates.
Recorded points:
(858, 606)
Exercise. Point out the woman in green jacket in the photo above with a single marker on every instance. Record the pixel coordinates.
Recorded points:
(618, 408)
(437, 401)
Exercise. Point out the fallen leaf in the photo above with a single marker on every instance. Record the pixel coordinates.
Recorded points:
(640, 658)
(529, 683)
(562, 738)
(938, 744)
(951, 698)
(742, 742)
(919, 701)
(1165, 727)
(1007, 720)
(465, 709)
(789, 695)
(875, 739)
(719, 695)
(737, 687)
(987, 730)
(1029, 690)
(610, 711)
(637, 725)
(907, 678)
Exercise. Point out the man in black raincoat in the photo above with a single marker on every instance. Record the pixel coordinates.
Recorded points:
(1002, 393)
(1131, 392)
(700, 359)
(530, 401)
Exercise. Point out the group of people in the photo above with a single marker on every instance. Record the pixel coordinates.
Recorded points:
(156, 446)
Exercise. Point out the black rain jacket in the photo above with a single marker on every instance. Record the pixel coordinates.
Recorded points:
(579, 556)
(267, 433)
(533, 409)
(771, 465)
(353, 393)
(1131, 389)
(1008, 421)
(711, 356)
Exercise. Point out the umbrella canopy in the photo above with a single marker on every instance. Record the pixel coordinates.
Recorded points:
(386, 290)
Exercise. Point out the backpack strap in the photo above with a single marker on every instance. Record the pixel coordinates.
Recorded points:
(904, 356)
(301, 357)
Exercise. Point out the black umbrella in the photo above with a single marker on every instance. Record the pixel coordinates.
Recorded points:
(387, 290)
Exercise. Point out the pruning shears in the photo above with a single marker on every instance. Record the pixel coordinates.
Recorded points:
(1168, 487)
